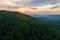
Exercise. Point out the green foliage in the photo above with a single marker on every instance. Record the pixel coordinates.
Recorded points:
(17, 26)
(53, 25)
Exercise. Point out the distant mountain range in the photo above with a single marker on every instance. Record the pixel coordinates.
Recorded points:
(52, 19)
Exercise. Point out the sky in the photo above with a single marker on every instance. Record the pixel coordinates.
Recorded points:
(31, 6)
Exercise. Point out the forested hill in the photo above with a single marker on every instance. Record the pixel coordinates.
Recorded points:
(18, 26)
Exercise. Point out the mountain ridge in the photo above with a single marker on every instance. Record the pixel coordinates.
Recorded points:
(17, 26)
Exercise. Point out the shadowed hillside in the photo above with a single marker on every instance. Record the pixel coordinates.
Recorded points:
(51, 21)
(17, 26)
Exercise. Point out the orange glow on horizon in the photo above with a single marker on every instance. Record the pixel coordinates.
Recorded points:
(24, 6)
(22, 9)
(35, 10)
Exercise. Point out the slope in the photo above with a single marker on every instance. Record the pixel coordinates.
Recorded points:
(52, 21)
(18, 26)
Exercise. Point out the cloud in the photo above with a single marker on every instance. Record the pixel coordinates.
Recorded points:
(7, 3)
(23, 0)
(14, 3)
(41, 9)
(25, 6)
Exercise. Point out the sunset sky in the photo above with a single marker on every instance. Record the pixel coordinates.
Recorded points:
(31, 6)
